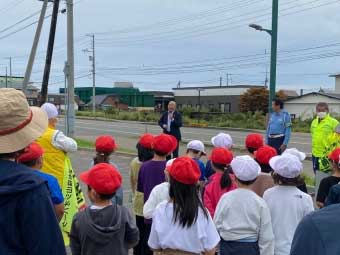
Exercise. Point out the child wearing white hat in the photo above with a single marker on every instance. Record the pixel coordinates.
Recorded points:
(287, 204)
(242, 218)
(195, 150)
(221, 140)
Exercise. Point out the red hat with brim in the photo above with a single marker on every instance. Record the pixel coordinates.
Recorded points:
(165, 143)
(103, 178)
(264, 154)
(254, 141)
(221, 156)
(335, 155)
(147, 141)
(105, 143)
(32, 152)
(185, 170)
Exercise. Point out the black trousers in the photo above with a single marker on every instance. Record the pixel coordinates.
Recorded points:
(144, 232)
(276, 143)
(174, 153)
(239, 248)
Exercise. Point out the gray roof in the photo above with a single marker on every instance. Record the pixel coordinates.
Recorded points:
(99, 99)
(330, 95)
(218, 87)
(335, 75)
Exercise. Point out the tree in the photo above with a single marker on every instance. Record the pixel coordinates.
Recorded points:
(256, 99)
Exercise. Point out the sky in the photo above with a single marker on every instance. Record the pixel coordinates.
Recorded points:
(157, 43)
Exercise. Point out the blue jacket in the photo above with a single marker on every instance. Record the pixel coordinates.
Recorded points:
(175, 124)
(318, 233)
(27, 219)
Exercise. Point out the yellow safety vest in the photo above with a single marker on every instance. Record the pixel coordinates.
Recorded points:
(58, 164)
(53, 158)
(320, 132)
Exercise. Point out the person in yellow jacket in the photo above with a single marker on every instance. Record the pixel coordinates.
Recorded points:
(57, 163)
(321, 128)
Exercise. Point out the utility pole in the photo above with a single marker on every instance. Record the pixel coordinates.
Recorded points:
(70, 61)
(273, 54)
(93, 60)
(30, 63)
(221, 81)
(227, 79)
(44, 86)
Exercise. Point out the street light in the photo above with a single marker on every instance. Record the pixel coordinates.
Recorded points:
(273, 53)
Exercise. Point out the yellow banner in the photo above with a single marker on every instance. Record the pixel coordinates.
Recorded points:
(73, 199)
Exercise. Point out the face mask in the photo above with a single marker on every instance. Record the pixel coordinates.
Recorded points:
(321, 115)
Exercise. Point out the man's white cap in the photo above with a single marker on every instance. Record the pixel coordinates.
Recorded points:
(245, 168)
(51, 110)
(196, 145)
(286, 165)
(295, 152)
(169, 163)
(222, 140)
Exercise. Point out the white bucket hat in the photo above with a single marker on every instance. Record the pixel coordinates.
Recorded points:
(20, 124)
(51, 110)
(222, 140)
(245, 168)
(287, 165)
(295, 152)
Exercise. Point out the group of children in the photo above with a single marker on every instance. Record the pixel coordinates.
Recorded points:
(249, 204)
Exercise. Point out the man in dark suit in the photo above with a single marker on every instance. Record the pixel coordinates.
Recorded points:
(170, 122)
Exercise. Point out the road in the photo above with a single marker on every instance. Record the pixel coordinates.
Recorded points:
(126, 130)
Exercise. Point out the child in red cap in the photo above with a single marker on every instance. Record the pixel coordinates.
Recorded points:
(253, 142)
(32, 158)
(145, 153)
(103, 228)
(264, 181)
(330, 181)
(105, 146)
(151, 174)
(182, 225)
(222, 181)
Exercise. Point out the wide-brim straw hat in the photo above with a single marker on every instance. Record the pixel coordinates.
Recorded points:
(20, 124)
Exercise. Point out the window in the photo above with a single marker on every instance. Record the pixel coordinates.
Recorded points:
(211, 107)
(179, 106)
(51, 99)
(222, 107)
(198, 107)
(227, 107)
(189, 105)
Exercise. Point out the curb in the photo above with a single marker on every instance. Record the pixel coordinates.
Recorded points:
(155, 124)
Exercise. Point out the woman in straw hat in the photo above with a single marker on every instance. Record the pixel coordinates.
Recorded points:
(27, 219)
(57, 163)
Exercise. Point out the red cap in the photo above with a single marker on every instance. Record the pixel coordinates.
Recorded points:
(335, 155)
(105, 143)
(147, 141)
(221, 156)
(103, 178)
(32, 152)
(264, 154)
(165, 143)
(254, 141)
(185, 170)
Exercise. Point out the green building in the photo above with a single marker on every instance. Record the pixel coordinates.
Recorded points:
(130, 96)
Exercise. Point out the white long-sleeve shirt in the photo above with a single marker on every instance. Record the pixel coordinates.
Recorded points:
(157, 195)
(241, 214)
(64, 143)
(288, 205)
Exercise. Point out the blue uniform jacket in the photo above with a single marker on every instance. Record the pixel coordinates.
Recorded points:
(279, 123)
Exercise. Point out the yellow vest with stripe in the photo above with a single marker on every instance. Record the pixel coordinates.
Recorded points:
(53, 158)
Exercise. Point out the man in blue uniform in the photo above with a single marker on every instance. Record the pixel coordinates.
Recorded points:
(279, 127)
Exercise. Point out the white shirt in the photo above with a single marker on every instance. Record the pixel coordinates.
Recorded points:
(288, 205)
(157, 195)
(64, 143)
(165, 234)
(241, 214)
